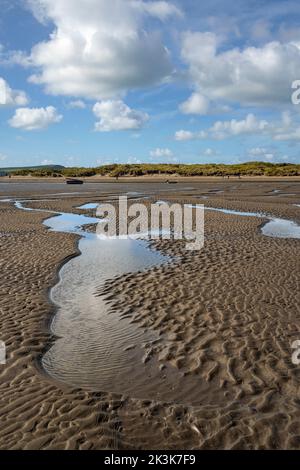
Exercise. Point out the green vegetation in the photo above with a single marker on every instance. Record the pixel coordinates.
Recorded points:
(213, 169)
(38, 171)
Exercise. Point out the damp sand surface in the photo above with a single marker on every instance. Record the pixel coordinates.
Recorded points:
(226, 317)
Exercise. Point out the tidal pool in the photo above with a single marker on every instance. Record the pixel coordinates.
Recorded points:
(99, 349)
(274, 227)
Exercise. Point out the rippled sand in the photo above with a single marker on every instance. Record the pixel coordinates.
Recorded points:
(225, 316)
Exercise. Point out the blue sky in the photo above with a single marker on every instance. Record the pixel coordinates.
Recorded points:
(89, 82)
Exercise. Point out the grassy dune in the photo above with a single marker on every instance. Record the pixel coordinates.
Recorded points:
(243, 169)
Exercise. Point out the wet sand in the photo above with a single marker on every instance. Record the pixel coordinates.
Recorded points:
(225, 316)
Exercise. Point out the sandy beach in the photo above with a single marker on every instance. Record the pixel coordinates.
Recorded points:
(221, 322)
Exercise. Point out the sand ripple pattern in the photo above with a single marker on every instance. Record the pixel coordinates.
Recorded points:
(227, 314)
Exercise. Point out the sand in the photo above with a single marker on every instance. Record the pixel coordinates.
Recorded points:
(227, 315)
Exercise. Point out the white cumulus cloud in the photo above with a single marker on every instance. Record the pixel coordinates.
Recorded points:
(115, 115)
(257, 151)
(195, 104)
(77, 104)
(257, 76)
(30, 119)
(183, 135)
(160, 9)
(209, 152)
(10, 97)
(249, 125)
(99, 49)
(161, 152)
(284, 129)
(267, 155)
